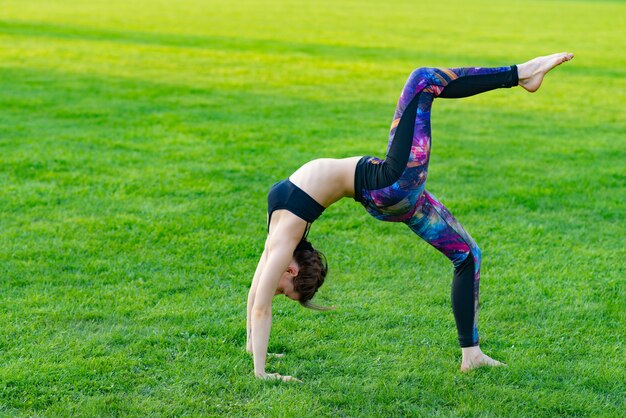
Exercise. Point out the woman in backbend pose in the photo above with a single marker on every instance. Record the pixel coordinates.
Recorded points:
(391, 190)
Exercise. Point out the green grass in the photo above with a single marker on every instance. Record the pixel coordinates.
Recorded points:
(137, 144)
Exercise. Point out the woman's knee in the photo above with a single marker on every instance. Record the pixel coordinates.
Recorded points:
(422, 73)
(476, 254)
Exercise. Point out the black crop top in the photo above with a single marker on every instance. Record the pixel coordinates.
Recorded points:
(286, 195)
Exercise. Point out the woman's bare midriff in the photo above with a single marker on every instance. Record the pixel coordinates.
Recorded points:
(326, 179)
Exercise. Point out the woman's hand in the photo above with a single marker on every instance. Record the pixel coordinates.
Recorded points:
(276, 376)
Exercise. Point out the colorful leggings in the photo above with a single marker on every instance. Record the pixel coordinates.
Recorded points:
(394, 189)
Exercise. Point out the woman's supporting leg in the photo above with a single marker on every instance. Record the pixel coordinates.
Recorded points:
(436, 225)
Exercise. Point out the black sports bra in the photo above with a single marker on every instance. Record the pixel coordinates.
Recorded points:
(286, 195)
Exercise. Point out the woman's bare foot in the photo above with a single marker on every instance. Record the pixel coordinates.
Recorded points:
(531, 73)
(473, 358)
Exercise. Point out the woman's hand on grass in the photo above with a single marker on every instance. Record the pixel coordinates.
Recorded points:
(276, 376)
(275, 355)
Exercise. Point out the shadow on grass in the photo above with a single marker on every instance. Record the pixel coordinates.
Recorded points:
(336, 52)
(130, 128)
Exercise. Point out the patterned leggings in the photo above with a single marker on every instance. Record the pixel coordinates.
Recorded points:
(394, 189)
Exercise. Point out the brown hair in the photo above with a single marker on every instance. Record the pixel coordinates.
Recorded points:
(312, 271)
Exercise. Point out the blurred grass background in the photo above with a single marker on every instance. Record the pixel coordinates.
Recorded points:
(137, 144)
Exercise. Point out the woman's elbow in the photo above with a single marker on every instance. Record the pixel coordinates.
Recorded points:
(260, 312)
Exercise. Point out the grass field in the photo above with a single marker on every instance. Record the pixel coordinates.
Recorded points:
(137, 144)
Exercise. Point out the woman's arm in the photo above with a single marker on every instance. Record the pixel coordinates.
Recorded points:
(251, 295)
(286, 230)
(278, 258)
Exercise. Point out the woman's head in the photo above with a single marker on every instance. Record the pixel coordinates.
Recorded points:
(312, 269)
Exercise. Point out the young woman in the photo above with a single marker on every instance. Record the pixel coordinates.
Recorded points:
(390, 190)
